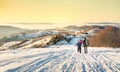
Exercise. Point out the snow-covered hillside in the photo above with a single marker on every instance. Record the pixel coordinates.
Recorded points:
(63, 58)
(43, 38)
(37, 34)
(6, 45)
(55, 51)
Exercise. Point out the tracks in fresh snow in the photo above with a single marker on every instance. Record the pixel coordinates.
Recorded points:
(66, 60)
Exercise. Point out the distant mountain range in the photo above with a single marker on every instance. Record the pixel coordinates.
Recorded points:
(73, 27)
(105, 23)
(8, 30)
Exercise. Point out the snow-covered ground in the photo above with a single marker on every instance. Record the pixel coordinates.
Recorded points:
(63, 58)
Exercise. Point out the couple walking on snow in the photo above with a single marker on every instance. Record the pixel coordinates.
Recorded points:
(85, 44)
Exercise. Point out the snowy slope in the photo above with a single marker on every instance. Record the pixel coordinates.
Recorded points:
(37, 34)
(60, 59)
(8, 44)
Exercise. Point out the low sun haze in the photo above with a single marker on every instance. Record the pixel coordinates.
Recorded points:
(59, 12)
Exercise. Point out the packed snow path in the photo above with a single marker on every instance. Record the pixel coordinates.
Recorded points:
(60, 59)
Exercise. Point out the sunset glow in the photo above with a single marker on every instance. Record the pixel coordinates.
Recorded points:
(59, 12)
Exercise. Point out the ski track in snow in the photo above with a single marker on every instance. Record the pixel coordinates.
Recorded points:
(63, 60)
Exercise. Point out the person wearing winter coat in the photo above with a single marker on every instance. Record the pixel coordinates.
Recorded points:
(85, 45)
(79, 44)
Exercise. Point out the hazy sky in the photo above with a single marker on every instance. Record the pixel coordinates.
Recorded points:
(59, 12)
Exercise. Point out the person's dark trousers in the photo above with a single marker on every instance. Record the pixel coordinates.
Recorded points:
(79, 49)
(85, 50)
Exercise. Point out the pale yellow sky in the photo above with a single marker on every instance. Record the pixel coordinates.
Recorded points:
(59, 12)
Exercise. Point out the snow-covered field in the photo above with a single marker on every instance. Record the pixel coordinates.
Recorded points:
(60, 59)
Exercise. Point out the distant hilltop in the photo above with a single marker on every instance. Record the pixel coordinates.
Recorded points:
(8, 30)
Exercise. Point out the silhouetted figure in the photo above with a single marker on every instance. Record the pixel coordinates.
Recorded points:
(79, 44)
(85, 45)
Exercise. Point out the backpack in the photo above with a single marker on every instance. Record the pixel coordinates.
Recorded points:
(80, 43)
(86, 42)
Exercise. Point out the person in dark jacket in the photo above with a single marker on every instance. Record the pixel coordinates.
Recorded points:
(85, 45)
(79, 44)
